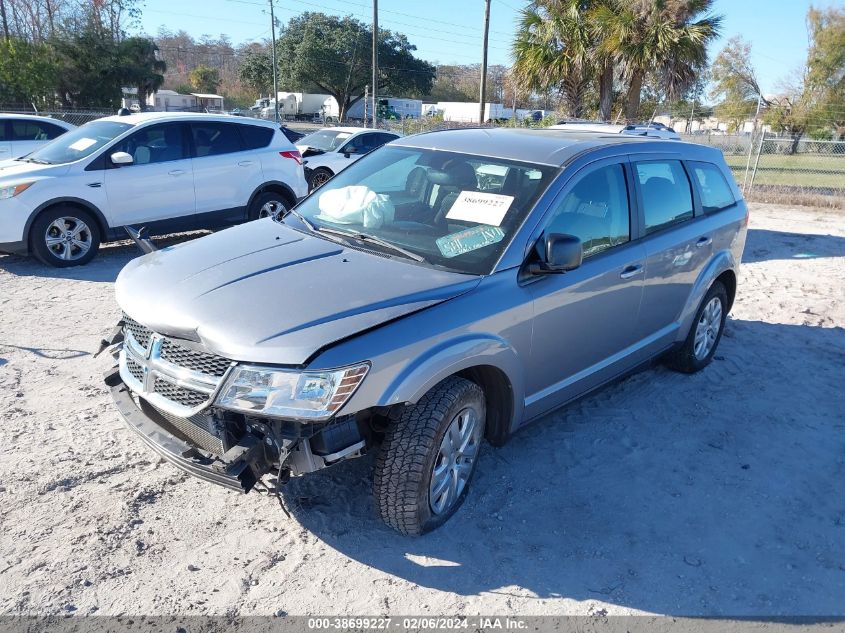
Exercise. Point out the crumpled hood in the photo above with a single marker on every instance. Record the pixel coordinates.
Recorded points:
(263, 292)
(17, 170)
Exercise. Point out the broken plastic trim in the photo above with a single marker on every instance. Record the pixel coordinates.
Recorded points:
(141, 238)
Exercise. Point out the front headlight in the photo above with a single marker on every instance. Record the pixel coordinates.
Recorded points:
(10, 191)
(313, 395)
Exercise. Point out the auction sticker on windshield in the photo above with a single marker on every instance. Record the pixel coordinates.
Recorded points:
(468, 240)
(480, 207)
(82, 144)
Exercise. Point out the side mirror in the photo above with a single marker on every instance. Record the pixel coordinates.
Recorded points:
(122, 158)
(560, 253)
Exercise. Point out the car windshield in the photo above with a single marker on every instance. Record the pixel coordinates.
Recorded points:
(324, 140)
(449, 210)
(78, 143)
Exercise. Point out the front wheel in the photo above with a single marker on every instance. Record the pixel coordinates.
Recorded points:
(428, 457)
(318, 178)
(700, 345)
(65, 236)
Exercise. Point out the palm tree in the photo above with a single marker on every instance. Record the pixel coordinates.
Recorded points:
(666, 37)
(140, 67)
(552, 49)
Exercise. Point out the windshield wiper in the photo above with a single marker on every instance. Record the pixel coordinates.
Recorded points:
(366, 237)
(302, 219)
(37, 161)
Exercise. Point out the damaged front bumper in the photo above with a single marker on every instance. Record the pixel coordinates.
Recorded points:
(239, 468)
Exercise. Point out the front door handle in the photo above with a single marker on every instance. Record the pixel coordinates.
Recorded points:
(245, 163)
(704, 241)
(176, 172)
(631, 271)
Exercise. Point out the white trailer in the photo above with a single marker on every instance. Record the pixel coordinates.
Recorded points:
(302, 104)
(396, 108)
(467, 111)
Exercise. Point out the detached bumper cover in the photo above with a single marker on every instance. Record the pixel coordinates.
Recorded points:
(237, 474)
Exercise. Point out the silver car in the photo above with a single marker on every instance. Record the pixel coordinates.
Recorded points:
(446, 289)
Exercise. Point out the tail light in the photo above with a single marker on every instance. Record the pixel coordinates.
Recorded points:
(294, 155)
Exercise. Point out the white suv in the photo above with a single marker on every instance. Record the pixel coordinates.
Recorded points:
(23, 133)
(164, 171)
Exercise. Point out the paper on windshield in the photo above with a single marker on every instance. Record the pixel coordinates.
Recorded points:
(82, 144)
(469, 239)
(355, 204)
(480, 207)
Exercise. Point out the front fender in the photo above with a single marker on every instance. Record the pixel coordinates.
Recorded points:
(720, 262)
(422, 373)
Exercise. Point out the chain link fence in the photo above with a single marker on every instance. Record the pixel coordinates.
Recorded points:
(769, 168)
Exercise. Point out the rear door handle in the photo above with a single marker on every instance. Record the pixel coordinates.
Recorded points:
(704, 241)
(631, 271)
(245, 163)
(176, 172)
(95, 184)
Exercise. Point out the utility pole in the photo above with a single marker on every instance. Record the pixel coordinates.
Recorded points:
(484, 63)
(275, 80)
(375, 64)
(751, 143)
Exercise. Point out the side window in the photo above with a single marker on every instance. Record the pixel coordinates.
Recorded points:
(361, 144)
(154, 144)
(714, 189)
(667, 197)
(383, 138)
(4, 135)
(23, 130)
(596, 210)
(213, 139)
(254, 136)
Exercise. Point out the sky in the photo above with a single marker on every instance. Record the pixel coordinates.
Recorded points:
(449, 31)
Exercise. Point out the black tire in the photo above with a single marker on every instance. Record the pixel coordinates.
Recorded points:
(78, 222)
(684, 358)
(268, 202)
(411, 449)
(318, 177)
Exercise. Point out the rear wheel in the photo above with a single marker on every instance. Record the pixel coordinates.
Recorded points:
(428, 457)
(706, 332)
(65, 236)
(269, 204)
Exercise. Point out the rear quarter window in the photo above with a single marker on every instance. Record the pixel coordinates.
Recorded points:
(666, 193)
(715, 192)
(255, 136)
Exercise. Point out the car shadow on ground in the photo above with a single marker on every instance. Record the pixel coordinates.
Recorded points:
(103, 268)
(648, 495)
(763, 245)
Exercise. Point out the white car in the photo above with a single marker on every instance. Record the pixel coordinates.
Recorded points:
(655, 130)
(333, 149)
(23, 133)
(164, 171)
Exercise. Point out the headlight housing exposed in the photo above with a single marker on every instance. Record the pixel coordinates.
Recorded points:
(284, 393)
(10, 191)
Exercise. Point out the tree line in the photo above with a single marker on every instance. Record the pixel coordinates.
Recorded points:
(61, 53)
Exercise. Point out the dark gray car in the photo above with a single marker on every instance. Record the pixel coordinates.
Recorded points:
(448, 288)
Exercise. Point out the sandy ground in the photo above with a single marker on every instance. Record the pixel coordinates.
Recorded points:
(719, 493)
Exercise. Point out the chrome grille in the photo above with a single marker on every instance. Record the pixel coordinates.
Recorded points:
(181, 395)
(135, 369)
(203, 362)
(140, 333)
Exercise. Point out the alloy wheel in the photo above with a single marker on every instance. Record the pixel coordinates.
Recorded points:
(272, 209)
(707, 330)
(68, 238)
(455, 460)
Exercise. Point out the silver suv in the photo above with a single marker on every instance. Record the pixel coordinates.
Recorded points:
(448, 288)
